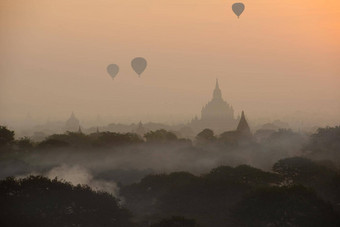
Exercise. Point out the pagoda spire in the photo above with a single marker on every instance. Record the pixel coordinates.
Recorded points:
(140, 130)
(79, 130)
(243, 126)
(217, 92)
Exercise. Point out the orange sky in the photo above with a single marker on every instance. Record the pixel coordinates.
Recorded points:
(276, 59)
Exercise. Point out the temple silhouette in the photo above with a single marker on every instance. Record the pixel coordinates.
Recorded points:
(217, 114)
(72, 124)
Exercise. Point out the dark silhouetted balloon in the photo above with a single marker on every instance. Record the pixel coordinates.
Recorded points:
(139, 65)
(238, 8)
(113, 70)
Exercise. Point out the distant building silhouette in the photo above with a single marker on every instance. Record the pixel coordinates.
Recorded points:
(79, 130)
(72, 124)
(140, 130)
(217, 114)
(243, 127)
(241, 134)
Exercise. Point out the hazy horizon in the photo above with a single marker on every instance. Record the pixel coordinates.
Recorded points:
(278, 61)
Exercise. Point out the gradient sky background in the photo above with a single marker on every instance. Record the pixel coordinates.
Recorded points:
(279, 58)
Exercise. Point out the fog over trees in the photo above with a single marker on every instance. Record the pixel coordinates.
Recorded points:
(123, 179)
(169, 113)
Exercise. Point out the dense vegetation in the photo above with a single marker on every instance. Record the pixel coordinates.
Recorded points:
(242, 196)
(302, 187)
(38, 201)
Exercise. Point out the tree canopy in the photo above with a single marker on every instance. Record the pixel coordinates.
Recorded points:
(284, 206)
(6, 136)
(38, 201)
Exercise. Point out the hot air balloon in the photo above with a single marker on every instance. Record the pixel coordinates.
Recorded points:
(238, 8)
(139, 65)
(113, 70)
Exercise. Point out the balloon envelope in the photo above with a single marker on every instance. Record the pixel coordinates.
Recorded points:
(113, 70)
(139, 65)
(238, 8)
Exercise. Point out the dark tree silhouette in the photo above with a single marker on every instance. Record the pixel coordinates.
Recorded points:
(323, 179)
(206, 136)
(160, 136)
(107, 139)
(325, 144)
(283, 206)
(24, 144)
(38, 201)
(74, 139)
(244, 174)
(207, 198)
(6, 136)
(176, 221)
(95, 140)
(296, 168)
(51, 143)
(140, 197)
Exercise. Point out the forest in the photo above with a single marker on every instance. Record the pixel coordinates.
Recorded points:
(160, 180)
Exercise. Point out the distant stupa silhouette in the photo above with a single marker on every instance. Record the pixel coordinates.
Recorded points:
(79, 130)
(72, 124)
(243, 127)
(243, 124)
(217, 114)
(140, 130)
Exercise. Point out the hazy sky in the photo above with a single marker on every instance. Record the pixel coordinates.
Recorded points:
(278, 58)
